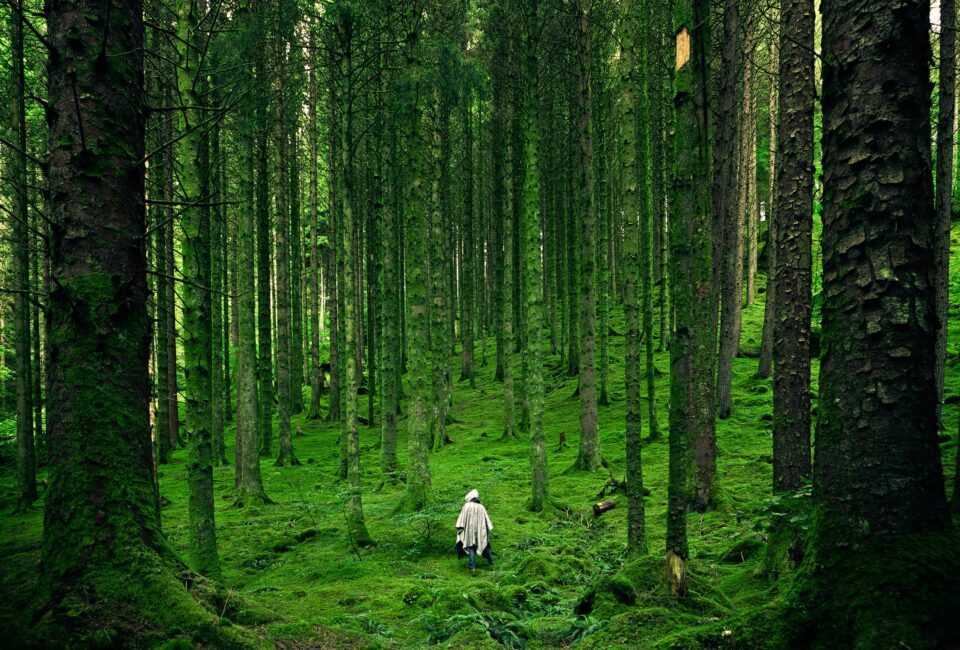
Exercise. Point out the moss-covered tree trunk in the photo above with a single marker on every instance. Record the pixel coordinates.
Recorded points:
(313, 136)
(101, 457)
(636, 535)
(414, 248)
(468, 269)
(26, 463)
(509, 395)
(195, 248)
(249, 483)
(588, 456)
(794, 210)
(881, 545)
(533, 266)
(692, 445)
(648, 73)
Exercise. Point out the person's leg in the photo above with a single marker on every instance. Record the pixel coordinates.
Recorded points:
(472, 553)
(487, 553)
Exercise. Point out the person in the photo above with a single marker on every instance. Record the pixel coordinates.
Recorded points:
(473, 528)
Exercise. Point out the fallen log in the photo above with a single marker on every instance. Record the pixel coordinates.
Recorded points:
(602, 506)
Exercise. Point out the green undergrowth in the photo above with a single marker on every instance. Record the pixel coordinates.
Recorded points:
(561, 577)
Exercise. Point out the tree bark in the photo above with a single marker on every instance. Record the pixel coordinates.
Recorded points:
(794, 210)
(878, 481)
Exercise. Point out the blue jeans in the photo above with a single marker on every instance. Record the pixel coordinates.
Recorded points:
(472, 554)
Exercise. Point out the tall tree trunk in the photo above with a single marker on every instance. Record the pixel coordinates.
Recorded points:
(727, 218)
(249, 484)
(468, 269)
(195, 247)
(765, 365)
(285, 365)
(264, 264)
(636, 528)
(588, 457)
(26, 463)
(878, 481)
(533, 267)
(417, 493)
(794, 210)
(944, 183)
(217, 333)
(313, 135)
(692, 351)
(509, 242)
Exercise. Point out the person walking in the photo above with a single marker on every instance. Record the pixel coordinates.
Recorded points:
(473, 528)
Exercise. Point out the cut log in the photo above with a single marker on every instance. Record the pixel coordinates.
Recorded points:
(602, 506)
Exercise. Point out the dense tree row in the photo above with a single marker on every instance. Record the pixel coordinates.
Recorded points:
(230, 202)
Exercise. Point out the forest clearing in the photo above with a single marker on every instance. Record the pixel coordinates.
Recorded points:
(656, 301)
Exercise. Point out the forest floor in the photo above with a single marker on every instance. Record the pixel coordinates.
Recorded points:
(560, 577)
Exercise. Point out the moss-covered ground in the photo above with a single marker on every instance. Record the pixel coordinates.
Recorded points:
(561, 577)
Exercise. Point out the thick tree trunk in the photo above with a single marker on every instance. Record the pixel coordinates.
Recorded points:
(647, 216)
(794, 210)
(509, 397)
(417, 493)
(878, 481)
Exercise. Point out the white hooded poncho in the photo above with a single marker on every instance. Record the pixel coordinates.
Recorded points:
(473, 524)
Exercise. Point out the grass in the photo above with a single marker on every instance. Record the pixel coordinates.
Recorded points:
(560, 577)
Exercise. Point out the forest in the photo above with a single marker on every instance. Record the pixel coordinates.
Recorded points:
(669, 283)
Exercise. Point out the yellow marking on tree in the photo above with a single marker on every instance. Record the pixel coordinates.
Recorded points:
(683, 47)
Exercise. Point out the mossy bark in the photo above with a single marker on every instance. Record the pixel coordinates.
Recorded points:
(417, 493)
(509, 395)
(103, 550)
(636, 535)
(533, 267)
(880, 505)
(195, 247)
(249, 483)
(588, 456)
(692, 442)
(647, 214)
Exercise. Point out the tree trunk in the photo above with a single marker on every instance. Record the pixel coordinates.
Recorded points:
(195, 248)
(636, 528)
(588, 457)
(765, 365)
(316, 374)
(878, 481)
(794, 210)
(727, 198)
(26, 462)
(944, 184)
(692, 351)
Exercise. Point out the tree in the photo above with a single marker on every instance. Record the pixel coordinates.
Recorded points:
(944, 179)
(636, 534)
(878, 481)
(249, 484)
(727, 219)
(195, 247)
(418, 355)
(101, 456)
(26, 463)
(533, 267)
(692, 460)
(588, 457)
(794, 210)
